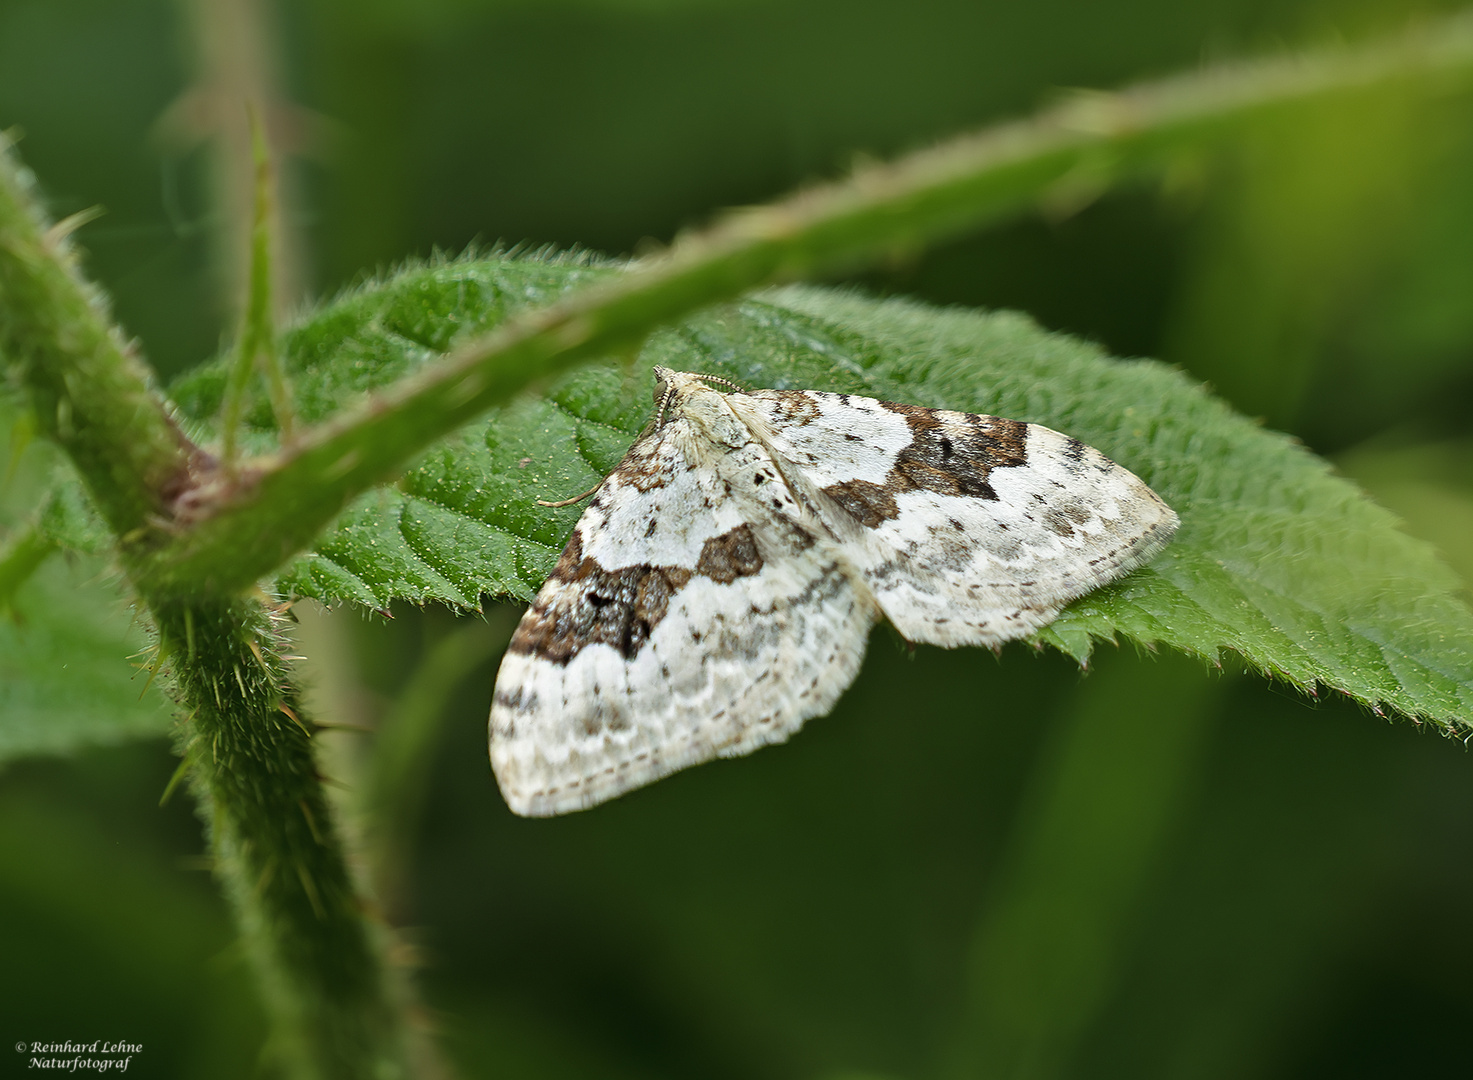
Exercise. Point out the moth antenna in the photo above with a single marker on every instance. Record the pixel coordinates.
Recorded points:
(738, 387)
(570, 502)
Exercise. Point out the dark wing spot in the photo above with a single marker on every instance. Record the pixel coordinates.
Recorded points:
(583, 604)
(1057, 523)
(518, 700)
(792, 406)
(729, 556)
(954, 453)
(869, 504)
(1062, 517)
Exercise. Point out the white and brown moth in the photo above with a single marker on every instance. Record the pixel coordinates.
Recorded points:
(720, 588)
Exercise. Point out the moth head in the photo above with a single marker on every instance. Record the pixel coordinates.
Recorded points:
(668, 385)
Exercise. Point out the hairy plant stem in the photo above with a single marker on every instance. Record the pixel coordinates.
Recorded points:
(89, 392)
(276, 849)
(283, 502)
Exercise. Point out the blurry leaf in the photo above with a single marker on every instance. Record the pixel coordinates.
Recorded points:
(1052, 943)
(39, 489)
(65, 632)
(1313, 200)
(70, 521)
(65, 677)
(1277, 559)
(392, 795)
(1399, 349)
(1427, 485)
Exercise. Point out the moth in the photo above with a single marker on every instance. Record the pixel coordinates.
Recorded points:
(721, 585)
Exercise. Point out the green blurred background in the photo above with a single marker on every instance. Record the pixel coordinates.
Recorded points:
(975, 866)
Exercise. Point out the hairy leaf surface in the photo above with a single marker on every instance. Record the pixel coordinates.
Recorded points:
(1277, 559)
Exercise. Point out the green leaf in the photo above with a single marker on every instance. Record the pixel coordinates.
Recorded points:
(1427, 485)
(35, 474)
(65, 677)
(65, 633)
(1277, 560)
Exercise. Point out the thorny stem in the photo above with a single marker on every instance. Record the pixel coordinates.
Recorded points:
(88, 391)
(277, 853)
(317, 951)
(286, 500)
